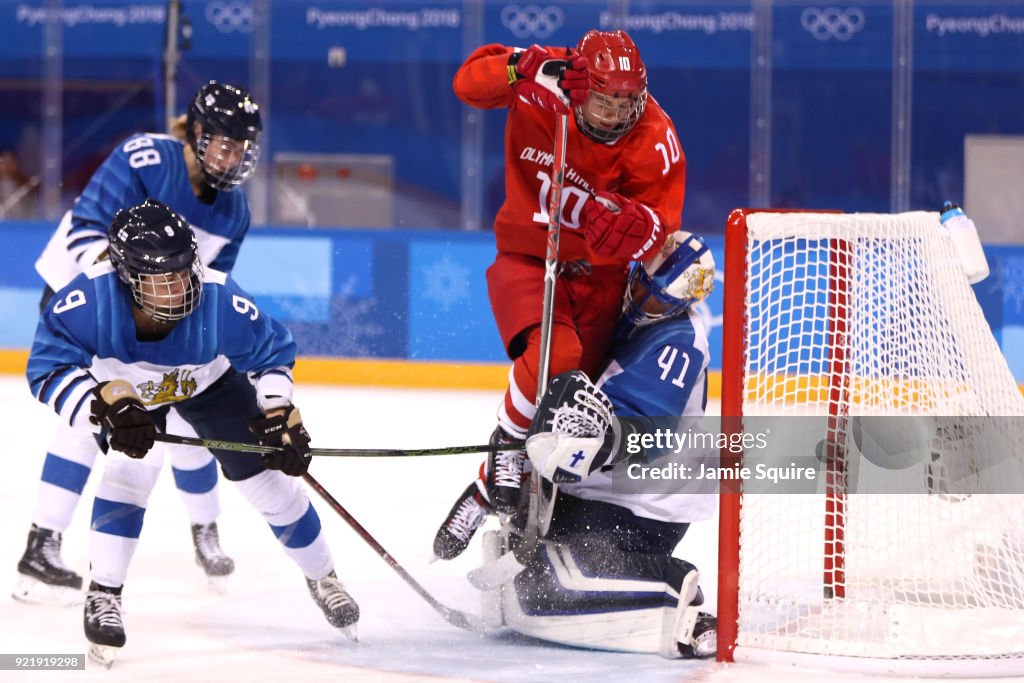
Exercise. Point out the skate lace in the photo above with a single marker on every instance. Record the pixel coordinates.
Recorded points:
(105, 609)
(588, 416)
(333, 593)
(467, 519)
(208, 541)
(508, 467)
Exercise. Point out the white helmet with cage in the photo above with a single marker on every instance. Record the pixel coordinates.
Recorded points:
(671, 281)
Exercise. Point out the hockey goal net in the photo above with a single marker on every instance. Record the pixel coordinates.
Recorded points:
(847, 315)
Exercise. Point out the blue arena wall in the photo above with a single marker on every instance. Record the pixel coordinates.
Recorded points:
(409, 295)
(368, 77)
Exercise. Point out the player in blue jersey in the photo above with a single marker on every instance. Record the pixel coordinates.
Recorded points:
(603, 575)
(149, 329)
(214, 150)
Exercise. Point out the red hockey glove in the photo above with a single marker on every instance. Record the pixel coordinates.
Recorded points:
(553, 84)
(617, 227)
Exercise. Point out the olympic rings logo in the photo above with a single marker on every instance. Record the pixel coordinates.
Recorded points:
(832, 22)
(531, 20)
(230, 15)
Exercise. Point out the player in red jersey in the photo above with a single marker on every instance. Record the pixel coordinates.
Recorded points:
(624, 183)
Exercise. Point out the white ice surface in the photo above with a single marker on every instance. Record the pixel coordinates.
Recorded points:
(266, 628)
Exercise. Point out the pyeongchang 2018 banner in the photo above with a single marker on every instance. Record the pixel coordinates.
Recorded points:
(86, 29)
(371, 32)
(969, 37)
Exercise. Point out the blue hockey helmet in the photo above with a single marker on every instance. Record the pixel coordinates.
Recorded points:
(227, 142)
(154, 252)
(679, 275)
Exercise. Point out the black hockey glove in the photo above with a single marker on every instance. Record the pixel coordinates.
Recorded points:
(117, 409)
(284, 431)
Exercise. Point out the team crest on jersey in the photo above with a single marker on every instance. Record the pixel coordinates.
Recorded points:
(176, 385)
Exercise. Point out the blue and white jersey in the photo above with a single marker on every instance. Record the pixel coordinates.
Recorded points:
(86, 336)
(145, 166)
(656, 371)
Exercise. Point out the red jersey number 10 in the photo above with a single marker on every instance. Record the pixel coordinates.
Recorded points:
(573, 198)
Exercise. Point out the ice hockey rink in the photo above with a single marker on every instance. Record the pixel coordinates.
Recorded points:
(265, 627)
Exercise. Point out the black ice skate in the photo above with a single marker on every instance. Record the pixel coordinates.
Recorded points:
(104, 623)
(43, 577)
(210, 557)
(504, 473)
(338, 606)
(467, 515)
(704, 642)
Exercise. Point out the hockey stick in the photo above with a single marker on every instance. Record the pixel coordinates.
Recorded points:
(329, 452)
(494, 574)
(536, 524)
(456, 618)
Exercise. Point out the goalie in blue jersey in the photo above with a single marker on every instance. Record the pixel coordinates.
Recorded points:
(214, 149)
(603, 574)
(149, 329)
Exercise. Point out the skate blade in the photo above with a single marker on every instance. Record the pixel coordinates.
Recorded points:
(217, 584)
(350, 632)
(103, 655)
(34, 592)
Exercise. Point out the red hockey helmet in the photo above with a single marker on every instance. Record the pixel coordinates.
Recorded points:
(618, 85)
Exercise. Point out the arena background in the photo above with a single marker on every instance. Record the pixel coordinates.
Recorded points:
(377, 186)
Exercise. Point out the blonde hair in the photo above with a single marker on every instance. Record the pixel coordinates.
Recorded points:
(179, 127)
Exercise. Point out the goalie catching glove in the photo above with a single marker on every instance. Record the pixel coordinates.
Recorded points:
(617, 227)
(552, 84)
(118, 409)
(284, 430)
(572, 434)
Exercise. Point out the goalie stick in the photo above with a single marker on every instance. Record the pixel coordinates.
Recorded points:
(459, 619)
(329, 452)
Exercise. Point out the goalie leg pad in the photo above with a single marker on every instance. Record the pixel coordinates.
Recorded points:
(491, 599)
(688, 632)
(559, 598)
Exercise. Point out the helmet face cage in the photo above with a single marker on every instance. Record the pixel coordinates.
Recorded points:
(155, 253)
(226, 163)
(606, 118)
(677, 277)
(226, 140)
(618, 86)
(167, 297)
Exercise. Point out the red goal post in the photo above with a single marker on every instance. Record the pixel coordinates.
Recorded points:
(844, 316)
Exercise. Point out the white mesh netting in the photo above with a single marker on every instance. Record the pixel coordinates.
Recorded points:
(862, 315)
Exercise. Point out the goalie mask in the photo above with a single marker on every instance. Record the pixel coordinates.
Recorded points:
(679, 275)
(223, 127)
(618, 86)
(154, 251)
